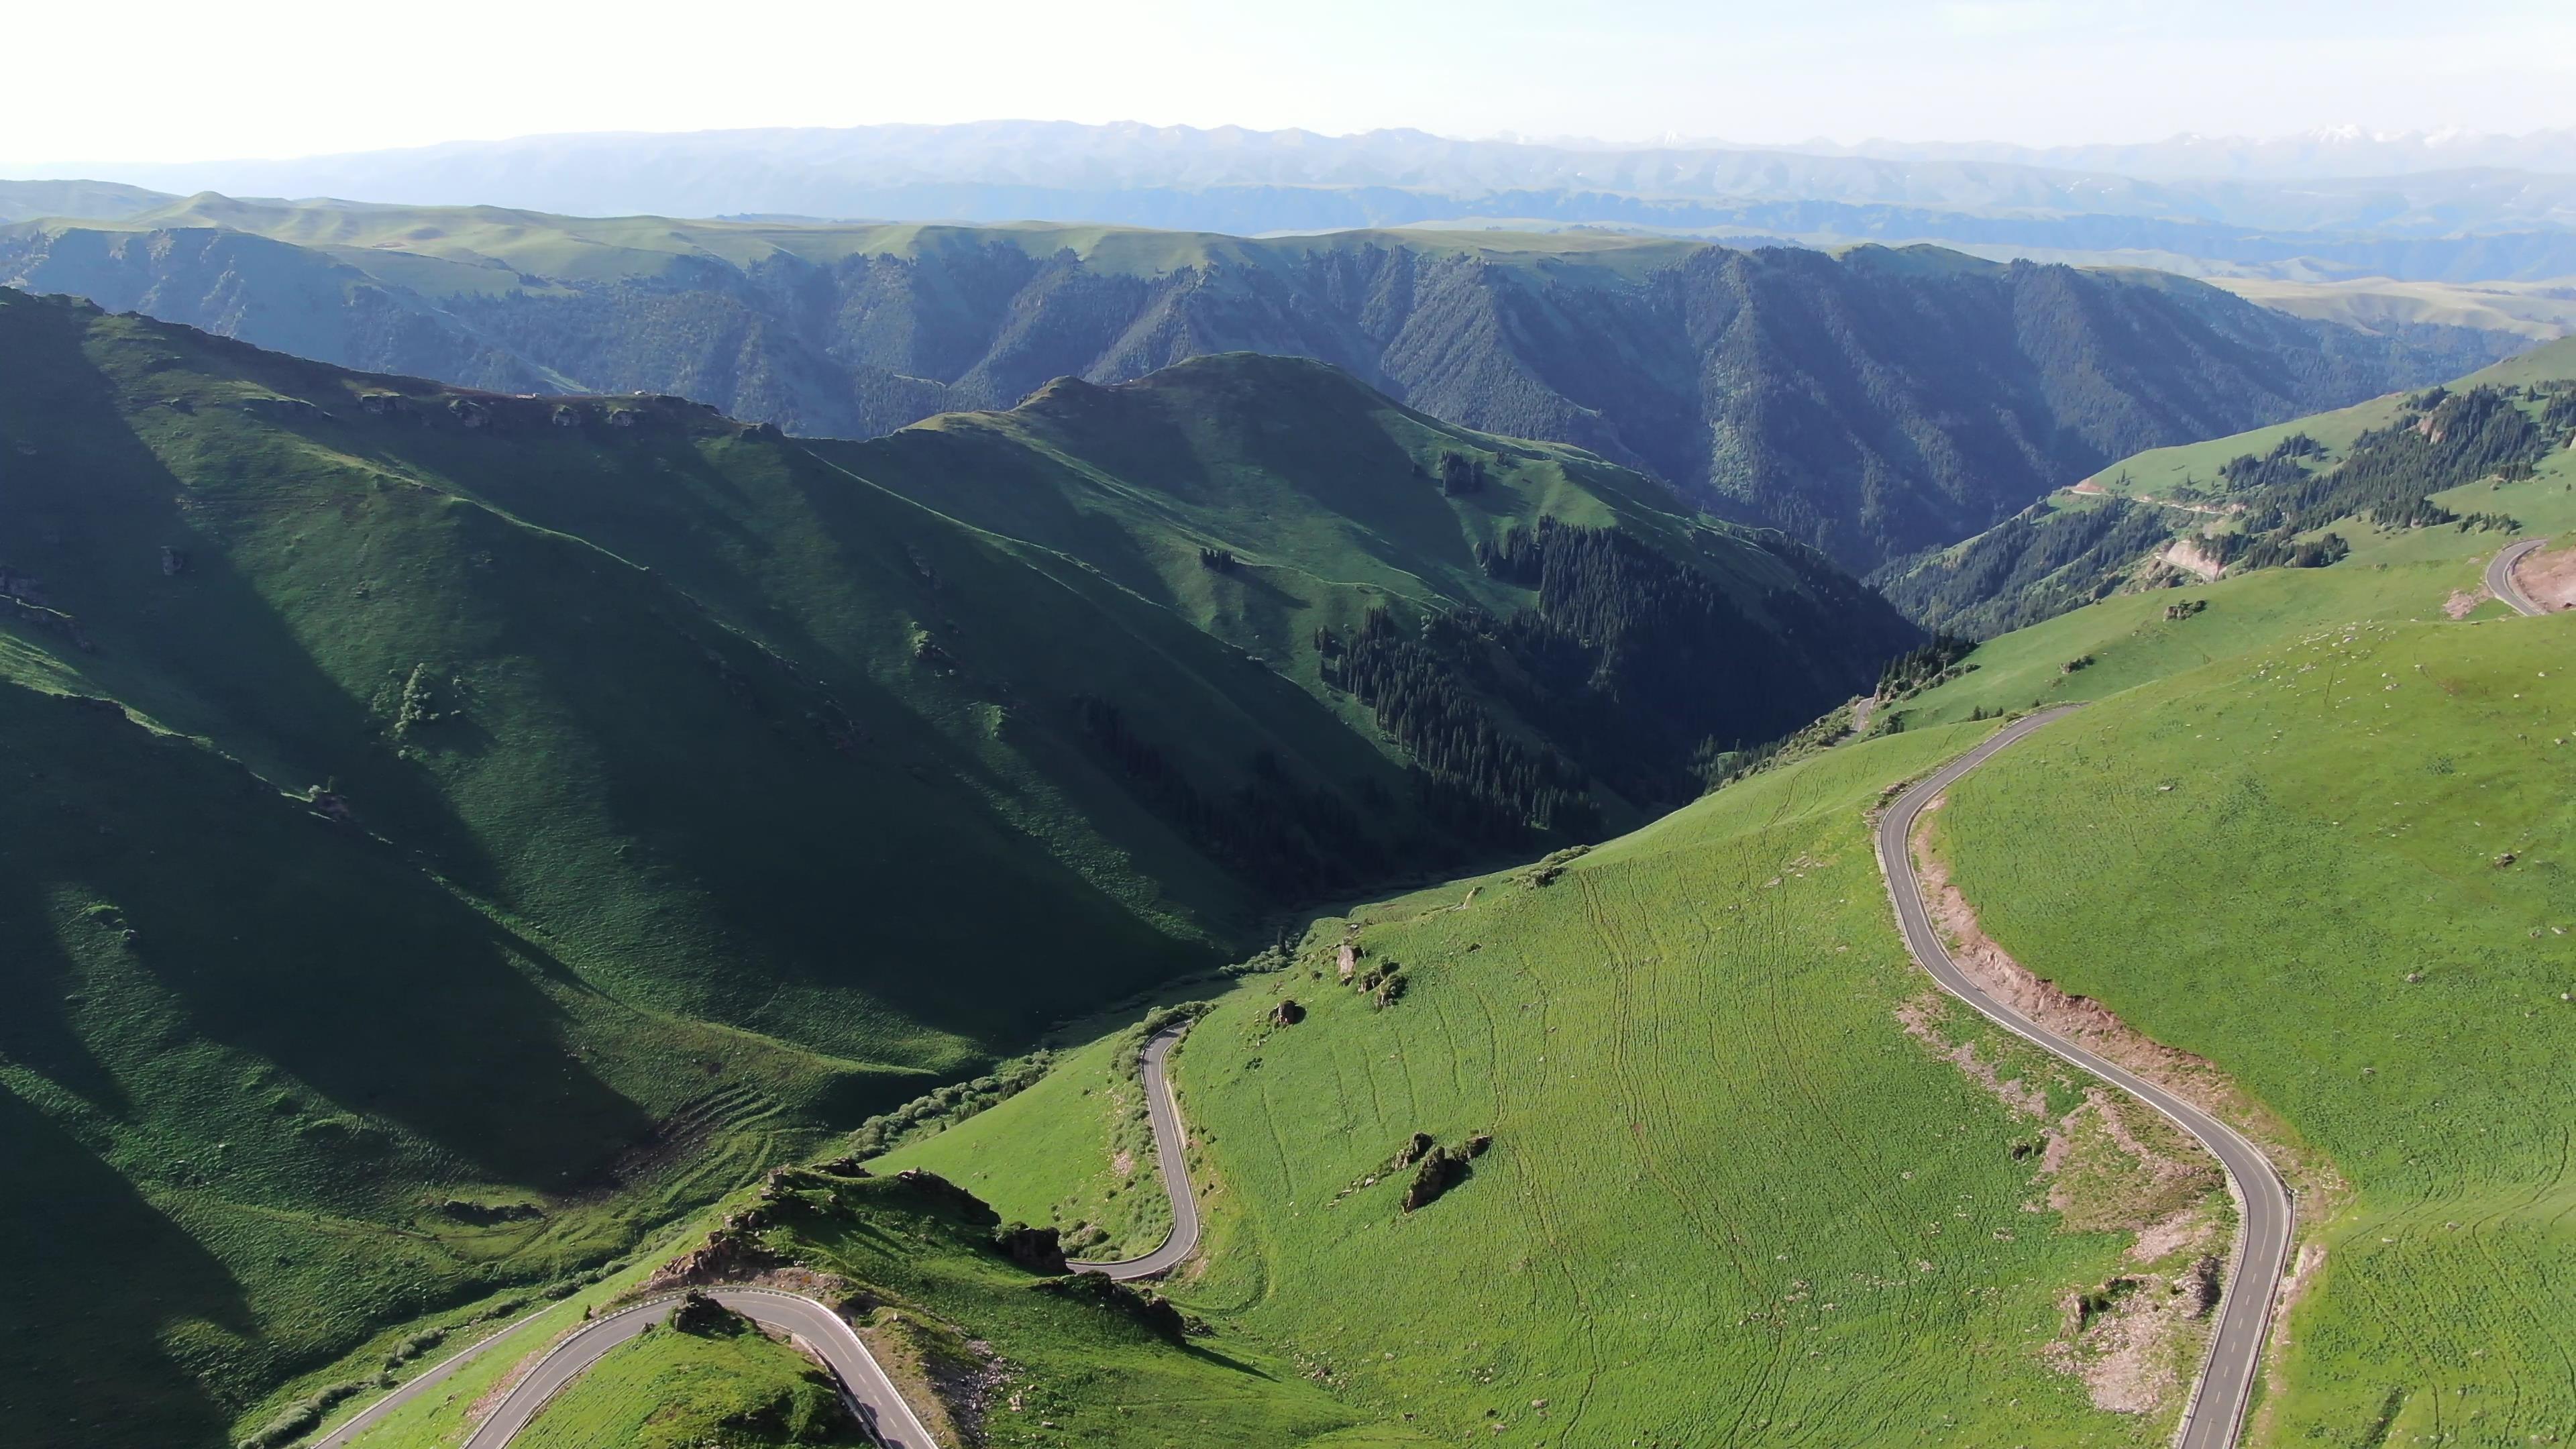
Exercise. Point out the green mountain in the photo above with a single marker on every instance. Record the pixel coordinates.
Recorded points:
(1749, 1180)
(2295, 494)
(28, 200)
(1872, 403)
(459, 830)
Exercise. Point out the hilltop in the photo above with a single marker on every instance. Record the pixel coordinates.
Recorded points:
(2296, 494)
(1873, 402)
(462, 829)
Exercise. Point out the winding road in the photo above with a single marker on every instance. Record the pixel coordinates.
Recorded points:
(871, 1394)
(1165, 1112)
(2500, 580)
(2215, 1416)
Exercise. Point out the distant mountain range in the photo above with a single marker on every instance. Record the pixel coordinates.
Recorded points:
(2429, 207)
(2310, 155)
(1871, 404)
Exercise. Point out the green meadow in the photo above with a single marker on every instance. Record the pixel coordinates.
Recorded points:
(1728, 1197)
(2337, 867)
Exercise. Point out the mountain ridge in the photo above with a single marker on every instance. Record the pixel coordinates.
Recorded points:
(1782, 387)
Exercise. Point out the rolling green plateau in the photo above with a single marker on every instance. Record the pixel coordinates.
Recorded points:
(2293, 494)
(460, 831)
(1873, 403)
(2335, 867)
(1738, 1188)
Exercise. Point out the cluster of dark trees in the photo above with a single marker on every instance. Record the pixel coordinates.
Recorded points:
(2036, 565)
(1294, 840)
(1636, 671)
(1919, 668)
(1481, 782)
(1460, 474)
(2440, 440)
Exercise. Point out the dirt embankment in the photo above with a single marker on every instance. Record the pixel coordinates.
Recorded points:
(2549, 577)
(2187, 554)
(2093, 1026)
(2112, 1164)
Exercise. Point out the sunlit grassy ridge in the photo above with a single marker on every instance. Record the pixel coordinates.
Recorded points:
(1728, 1198)
(2392, 576)
(2337, 866)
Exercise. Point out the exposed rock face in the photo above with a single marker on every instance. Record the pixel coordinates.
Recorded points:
(730, 1254)
(1142, 1306)
(1287, 1013)
(485, 1214)
(1039, 1248)
(949, 1195)
(705, 1317)
(1438, 1172)
(1412, 1151)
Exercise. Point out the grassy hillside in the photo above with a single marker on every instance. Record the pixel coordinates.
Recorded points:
(495, 825)
(2334, 866)
(28, 200)
(1872, 403)
(673, 1388)
(1728, 1194)
(2298, 493)
(1078, 1156)
(2542, 311)
(984, 1349)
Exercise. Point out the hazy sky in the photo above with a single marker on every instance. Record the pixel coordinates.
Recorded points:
(149, 80)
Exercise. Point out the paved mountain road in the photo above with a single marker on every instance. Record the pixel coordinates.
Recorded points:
(872, 1395)
(1165, 1112)
(2500, 577)
(2215, 1416)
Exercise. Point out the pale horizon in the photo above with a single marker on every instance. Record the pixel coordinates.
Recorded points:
(187, 85)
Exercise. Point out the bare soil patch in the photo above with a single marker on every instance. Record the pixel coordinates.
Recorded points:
(2114, 1163)
(2464, 602)
(2186, 554)
(2548, 576)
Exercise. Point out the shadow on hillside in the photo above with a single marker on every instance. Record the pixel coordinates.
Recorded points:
(141, 560)
(293, 938)
(97, 1277)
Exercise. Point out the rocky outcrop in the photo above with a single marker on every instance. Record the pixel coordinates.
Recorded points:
(705, 1317)
(1141, 1306)
(949, 1196)
(1438, 1172)
(1041, 1249)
